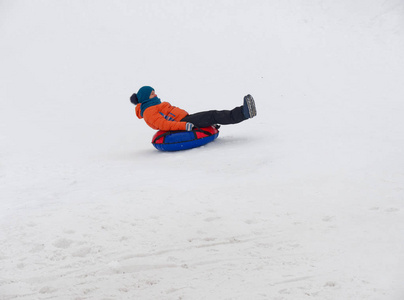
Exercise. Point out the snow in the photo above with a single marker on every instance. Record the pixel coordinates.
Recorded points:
(305, 201)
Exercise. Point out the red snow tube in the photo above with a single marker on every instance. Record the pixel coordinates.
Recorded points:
(182, 140)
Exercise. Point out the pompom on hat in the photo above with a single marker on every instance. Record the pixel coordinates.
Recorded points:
(133, 99)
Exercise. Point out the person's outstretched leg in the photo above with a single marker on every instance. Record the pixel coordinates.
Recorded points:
(224, 117)
(212, 117)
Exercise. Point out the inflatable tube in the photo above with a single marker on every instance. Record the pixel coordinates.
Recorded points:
(183, 140)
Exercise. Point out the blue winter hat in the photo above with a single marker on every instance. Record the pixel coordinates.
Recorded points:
(144, 93)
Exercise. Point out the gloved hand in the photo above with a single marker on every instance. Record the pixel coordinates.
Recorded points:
(189, 126)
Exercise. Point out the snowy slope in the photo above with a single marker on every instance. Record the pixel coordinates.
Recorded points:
(305, 201)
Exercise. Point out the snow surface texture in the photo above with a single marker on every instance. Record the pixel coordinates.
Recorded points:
(305, 201)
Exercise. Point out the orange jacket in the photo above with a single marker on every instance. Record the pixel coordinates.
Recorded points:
(163, 116)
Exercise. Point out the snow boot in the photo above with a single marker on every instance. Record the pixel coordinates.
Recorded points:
(249, 109)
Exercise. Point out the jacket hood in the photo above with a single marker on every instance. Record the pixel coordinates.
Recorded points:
(138, 110)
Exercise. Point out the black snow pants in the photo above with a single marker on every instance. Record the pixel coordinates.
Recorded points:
(213, 117)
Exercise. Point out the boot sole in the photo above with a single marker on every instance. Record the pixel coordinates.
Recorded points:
(252, 110)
